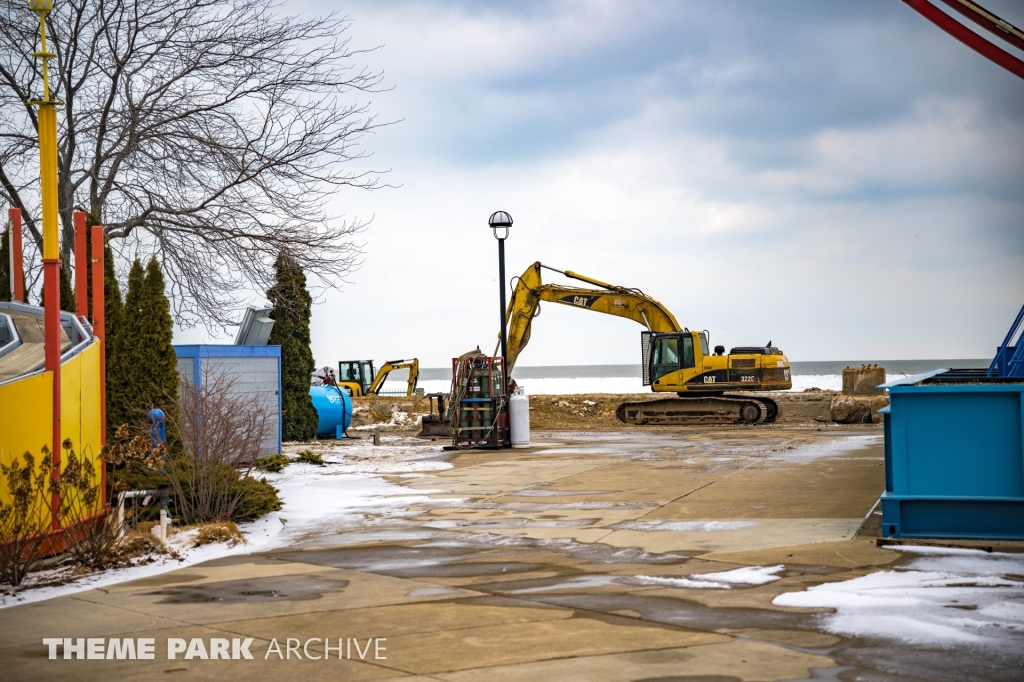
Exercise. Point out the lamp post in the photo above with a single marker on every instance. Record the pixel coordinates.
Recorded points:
(51, 251)
(500, 221)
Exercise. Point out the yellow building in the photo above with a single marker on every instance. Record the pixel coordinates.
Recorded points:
(26, 389)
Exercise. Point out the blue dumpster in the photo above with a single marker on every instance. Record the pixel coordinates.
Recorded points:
(954, 456)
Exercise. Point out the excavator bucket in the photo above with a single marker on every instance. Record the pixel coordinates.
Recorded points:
(435, 425)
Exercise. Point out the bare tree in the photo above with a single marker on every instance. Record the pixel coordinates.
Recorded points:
(211, 132)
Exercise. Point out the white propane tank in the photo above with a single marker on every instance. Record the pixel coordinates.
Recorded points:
(519, 416)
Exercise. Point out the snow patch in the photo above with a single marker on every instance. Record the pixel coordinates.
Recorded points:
(947, 596)
(724, 580)
(318, 500)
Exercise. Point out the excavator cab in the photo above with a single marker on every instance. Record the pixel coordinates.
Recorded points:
(664, 354)
(355, 376)
(672, 352)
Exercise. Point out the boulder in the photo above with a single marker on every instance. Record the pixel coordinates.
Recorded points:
(361, 417)
(380, 412)
(877, 403)
(848, 410)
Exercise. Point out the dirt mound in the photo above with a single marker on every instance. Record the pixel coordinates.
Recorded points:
(585, 412)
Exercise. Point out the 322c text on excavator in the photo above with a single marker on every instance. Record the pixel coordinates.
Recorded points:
(674, 358)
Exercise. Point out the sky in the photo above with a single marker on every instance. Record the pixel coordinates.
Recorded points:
(843, 179)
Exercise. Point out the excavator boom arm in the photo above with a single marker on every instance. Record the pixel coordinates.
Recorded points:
(391, 365)
(530, 290)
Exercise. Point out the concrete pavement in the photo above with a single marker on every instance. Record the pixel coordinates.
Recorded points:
(574, 559)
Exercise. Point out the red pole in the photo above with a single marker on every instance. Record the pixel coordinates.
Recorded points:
(967, 36)
(51, 320)
(989, 21)
(17, 269)
(81, 270)
(98, 318)
(100, 333)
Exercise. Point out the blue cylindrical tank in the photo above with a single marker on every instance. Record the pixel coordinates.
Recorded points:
(333, 407)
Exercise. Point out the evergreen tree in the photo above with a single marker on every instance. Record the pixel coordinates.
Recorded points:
(111, 300)
(292, 309)
(111, 295)
(142, 366)
(67, 295)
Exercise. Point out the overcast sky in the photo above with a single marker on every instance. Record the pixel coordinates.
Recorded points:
(843, 179)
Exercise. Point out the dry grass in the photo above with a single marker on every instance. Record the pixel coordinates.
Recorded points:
(139, 543)
(226, 532)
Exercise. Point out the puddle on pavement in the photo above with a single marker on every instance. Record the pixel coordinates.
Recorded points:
(512, 522)
(691, 678)
(277, 588)
(389, 536)
(678, 611)
(880, 660)
(578, 582)
(428, 560)
(667, 525)
(545, 506)
(557, 493)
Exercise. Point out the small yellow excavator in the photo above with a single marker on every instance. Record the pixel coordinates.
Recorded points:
(357, 377)
(675, 359)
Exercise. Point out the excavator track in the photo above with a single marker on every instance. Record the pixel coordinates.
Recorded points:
(682, 410)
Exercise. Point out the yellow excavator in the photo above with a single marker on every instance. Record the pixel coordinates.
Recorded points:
(675, 359)
(357, 377)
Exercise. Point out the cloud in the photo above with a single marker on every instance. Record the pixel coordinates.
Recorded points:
(843, 178)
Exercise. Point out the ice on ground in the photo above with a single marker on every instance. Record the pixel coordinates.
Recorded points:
(366, 458)
(317, 500)
(947, 596)
(683, 526)
(399, 420)
(831, 447)
(723, 580)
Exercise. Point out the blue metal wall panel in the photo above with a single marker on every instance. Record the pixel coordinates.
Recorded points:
(200, 351)
(966, 444)
(993, 519)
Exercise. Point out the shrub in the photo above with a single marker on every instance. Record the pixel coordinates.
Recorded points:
(275, 463)
(91, 533)
(139, 543)
(226, 532)
(310, 457)
(25, 521)
(258, 498)
(219, 433)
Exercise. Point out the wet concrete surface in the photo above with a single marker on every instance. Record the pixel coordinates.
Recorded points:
(575, 559)
(251, 591)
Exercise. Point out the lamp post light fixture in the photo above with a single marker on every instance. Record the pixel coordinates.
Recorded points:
(499, 222)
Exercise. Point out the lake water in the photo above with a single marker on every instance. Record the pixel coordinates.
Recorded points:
(574, 379)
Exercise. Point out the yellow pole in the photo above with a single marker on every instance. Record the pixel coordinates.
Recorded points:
(48, 177)
(47, 121)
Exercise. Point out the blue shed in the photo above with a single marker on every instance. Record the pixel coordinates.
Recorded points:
(255, 370)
